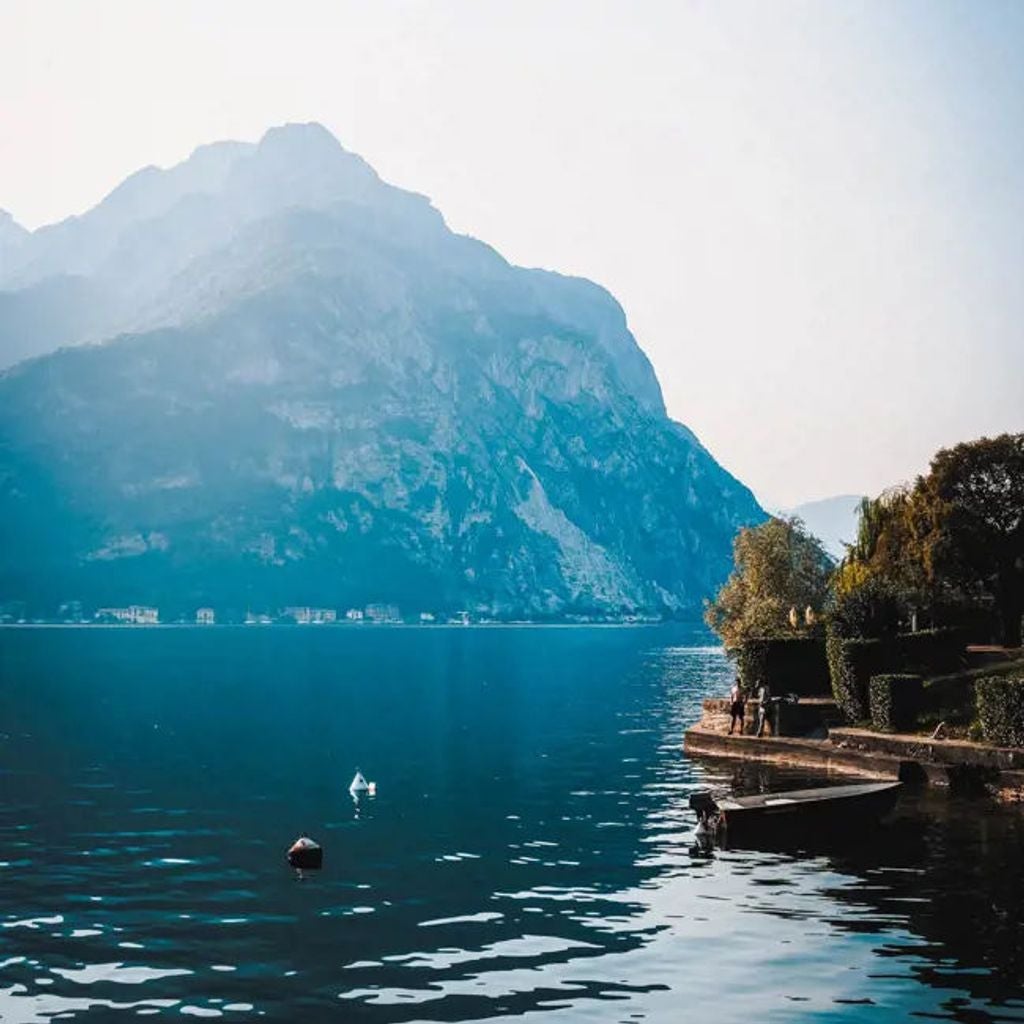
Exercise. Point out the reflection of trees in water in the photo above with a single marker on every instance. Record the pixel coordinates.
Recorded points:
(952, 868)
(948, 869)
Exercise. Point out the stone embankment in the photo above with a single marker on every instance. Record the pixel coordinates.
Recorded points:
(808, 735)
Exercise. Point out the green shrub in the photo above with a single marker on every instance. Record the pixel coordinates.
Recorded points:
(874, 609)
(978, 623)
(834, 655)
(852, 663)
(789, 665)
(930, 651)
(895, 702)
(751, 663)
(951, 698)
(1001, 710)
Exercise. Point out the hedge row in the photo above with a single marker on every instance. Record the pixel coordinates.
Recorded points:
(930, 651)
(1000, 702)
(852, 663)
(895, 702)
(789, 665)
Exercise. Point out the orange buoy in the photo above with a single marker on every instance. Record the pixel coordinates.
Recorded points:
(306, 855)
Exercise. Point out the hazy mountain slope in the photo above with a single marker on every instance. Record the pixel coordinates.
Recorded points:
(42, 317)
(832, 520)
(157, 223)
(12, 237)
(350, 403)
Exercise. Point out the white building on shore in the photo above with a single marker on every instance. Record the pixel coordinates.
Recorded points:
(306, 616)
(383, 613)
(135, 614)
(205, 617)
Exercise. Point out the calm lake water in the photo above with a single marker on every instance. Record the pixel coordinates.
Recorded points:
(530, 852)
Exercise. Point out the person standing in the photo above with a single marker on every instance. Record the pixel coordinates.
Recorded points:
(737, 706)
(764, 703)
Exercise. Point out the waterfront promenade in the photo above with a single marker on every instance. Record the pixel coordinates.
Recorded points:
(824, 744)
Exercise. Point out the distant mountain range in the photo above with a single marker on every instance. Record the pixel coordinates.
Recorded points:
(264, 377)
(832, 520)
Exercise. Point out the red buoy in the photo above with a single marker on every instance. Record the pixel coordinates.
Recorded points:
(306, 855)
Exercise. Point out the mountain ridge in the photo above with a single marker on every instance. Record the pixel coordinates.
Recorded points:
(325, 395)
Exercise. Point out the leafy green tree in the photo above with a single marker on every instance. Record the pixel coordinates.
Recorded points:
(778, 568)
(956, 538)
(870, 610)
(976, 542)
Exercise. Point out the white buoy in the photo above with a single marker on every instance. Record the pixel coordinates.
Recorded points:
(371, 789)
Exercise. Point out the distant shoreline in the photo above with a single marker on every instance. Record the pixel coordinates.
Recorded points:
(348, 626)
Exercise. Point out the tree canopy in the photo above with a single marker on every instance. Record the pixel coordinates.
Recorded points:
(976, 542)
(956, 536)
(778, 567)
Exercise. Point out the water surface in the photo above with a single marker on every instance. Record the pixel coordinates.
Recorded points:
(530, 852)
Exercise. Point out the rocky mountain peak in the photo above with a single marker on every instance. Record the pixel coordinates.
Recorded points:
(308, 390)
(301, 139)
(304, 165)
(12, 234)
(8, 223)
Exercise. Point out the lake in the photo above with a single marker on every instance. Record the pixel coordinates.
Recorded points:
(529, 853)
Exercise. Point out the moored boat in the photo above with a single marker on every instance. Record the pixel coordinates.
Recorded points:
(826, 808)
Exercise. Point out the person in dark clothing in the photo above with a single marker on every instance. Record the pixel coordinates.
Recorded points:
(737, 707)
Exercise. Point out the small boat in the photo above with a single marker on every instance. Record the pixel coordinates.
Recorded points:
(827, 809)
(359, 785)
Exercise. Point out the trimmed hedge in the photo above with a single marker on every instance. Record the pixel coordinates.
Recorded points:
(1000, 704)
(980, 624)
(930, 651)
(895, 702)
(852, 663)
(789, 665)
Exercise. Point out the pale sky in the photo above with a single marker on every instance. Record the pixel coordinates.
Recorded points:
(812, 213)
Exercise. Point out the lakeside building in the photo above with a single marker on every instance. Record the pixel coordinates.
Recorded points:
(257, 619)
(306, 616)
(427, 617)
(383, 613)
(135, 615)
(205, 617)
(459, 619)
(354, 615)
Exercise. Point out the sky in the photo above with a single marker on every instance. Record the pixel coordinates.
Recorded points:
(811, 212)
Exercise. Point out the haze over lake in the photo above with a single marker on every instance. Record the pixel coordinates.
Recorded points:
(530, 852)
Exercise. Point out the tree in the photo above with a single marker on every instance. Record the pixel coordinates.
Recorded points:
(976, 494)
(778, 566)
(954, 539)
(871, 609)
(889, 548)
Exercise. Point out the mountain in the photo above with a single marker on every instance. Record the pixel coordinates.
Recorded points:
(12, 234)
(832, 520)
(319, 394)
